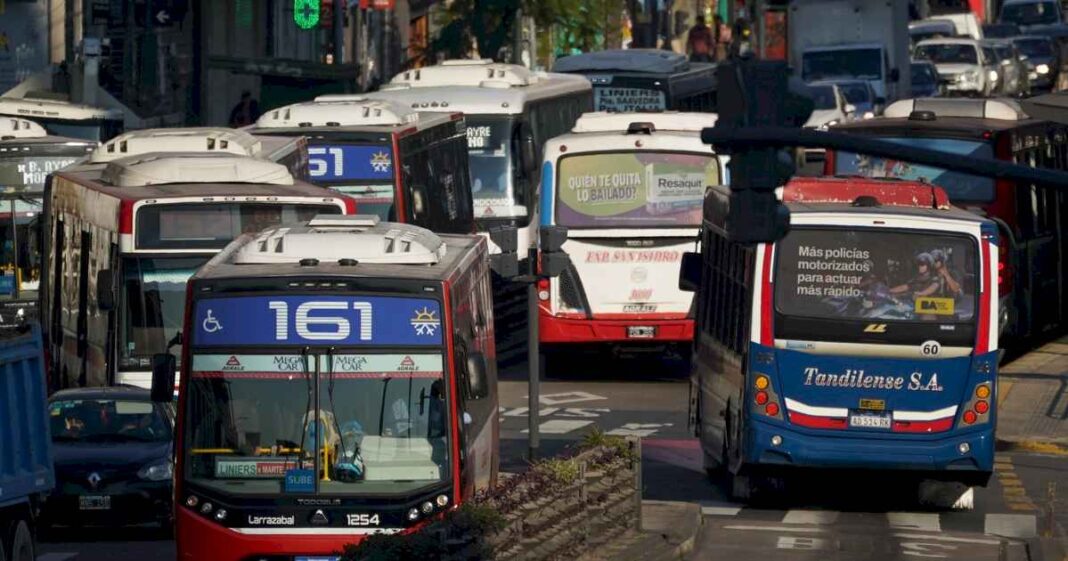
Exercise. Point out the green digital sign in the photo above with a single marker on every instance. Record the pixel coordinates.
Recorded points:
(306, 13)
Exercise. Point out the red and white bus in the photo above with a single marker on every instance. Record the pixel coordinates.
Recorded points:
(339, 381)
(122, 238)
(629, 188)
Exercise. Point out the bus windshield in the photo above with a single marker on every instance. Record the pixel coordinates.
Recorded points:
(364, 172)
(868, 274)
(841, 63)
(633, 189)
(490, 147)
(961, 187)
(369, 417)
(213, 225)
(152, 305)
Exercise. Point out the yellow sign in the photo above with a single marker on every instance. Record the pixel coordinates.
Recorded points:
(873, 404)
(936, 306)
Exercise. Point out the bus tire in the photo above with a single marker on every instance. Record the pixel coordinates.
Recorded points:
(21, 542)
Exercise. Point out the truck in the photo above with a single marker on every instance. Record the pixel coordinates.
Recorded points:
(26, 472)
(851, 39)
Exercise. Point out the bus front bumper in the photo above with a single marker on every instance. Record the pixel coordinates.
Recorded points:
(556, 329)
(837, 450)
(199, 539)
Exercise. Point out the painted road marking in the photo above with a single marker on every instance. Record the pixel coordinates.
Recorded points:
(559, 426)
(923, 521)
(642, 430)
(928, 550)
(775, 528)
(725, 510)
(1011, 525)
(801, 542)
(954, 539)
(810, 517)
(568, 397)
(1012, 489)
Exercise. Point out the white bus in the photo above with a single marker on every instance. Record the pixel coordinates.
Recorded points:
(122, 239)
(511, 112)
(629, 188)
(400, 164)
(27, 155)
(62, 118)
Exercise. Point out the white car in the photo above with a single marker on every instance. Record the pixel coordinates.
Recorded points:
(965, 65)
(830, 106)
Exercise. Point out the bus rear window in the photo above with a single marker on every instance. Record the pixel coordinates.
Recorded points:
(876, 275)
(633, 189)
(213, 225)
(960, 187)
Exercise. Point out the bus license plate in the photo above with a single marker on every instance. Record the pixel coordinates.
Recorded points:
(94, 502)
(869, 421)
(641, 331)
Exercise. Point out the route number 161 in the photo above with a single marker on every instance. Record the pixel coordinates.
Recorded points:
(330, 327)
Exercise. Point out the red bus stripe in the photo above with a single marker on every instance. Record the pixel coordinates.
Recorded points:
(816, 422)
(765, 299)
(454, 402)
(982, 343)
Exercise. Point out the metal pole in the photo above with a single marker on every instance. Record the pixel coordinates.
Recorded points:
(534, 391)
(15, 248)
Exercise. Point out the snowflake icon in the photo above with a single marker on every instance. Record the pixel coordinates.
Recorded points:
(380, 162)
(425, 322)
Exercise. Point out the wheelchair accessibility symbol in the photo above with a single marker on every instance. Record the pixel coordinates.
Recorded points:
(210, 324)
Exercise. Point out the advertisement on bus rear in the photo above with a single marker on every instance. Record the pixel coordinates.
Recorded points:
(633, 189)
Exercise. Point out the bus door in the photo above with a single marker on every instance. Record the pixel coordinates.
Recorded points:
(630, 216)
(876, 329)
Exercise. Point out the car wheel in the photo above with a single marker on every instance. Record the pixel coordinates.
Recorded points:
(22, 543)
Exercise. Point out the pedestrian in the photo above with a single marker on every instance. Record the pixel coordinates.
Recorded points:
(245, 112)
(723, 38)
(699, 42)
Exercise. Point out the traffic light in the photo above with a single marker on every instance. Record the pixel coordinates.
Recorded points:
(754, 93)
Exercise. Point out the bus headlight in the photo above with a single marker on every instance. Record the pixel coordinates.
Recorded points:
(157, 471)
(442, 500)
(427, 507)
(413, 515)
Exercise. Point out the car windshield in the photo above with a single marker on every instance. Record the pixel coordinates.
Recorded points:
(923, 74)
(839, 63)
(490, 147)
(960, 187)
(823, 97)
(107, 420)
(856, 92)
(948, 53)
(1035, 48)
(867, 274)
(1030, 13)
(152, 306)
(633, 189)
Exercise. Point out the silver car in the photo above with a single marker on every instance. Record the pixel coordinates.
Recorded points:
(964, 64)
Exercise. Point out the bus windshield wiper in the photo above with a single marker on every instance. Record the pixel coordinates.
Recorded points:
(306, 371)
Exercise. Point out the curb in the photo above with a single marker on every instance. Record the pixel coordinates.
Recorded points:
(1033, 446)
(690, 521)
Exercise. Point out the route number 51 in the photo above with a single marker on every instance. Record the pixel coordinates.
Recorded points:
(333, 164)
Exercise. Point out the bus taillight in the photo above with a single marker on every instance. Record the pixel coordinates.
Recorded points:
(543, 289)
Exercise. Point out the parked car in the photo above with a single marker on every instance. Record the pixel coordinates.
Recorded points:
(925, 79)
(1043, 63)
(931, 29)
(1000, 30)
(966, 67)
(860, 94)
(113, 458)
(1012, 67)
(829, 106)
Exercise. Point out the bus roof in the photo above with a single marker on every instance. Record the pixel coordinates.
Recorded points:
(466, 86)
(638, 61)
(366, 245)
(352, 113)
(14, 127)
(194, 139)
(994, 109)
(55, 109)
(602, 121)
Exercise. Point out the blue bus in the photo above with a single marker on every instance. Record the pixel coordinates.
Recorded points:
(865, 339)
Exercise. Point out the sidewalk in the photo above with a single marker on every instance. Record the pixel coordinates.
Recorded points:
(1033, 401)
(669, 530)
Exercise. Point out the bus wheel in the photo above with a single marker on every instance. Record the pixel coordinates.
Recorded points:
(743, 487)
(946, 495)
(22, 542)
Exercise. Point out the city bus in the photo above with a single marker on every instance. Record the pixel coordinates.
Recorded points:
(27, 155)
(122, 238)
(398, 163)
(342, 386)
(629, 187)
(865, 339)
(626, 80)
(1033, 218)
(63, 118)
(511, 112)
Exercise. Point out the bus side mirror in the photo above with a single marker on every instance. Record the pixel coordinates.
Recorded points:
(105, 290)
(477, 384)
(690, 272)
(163, 370)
